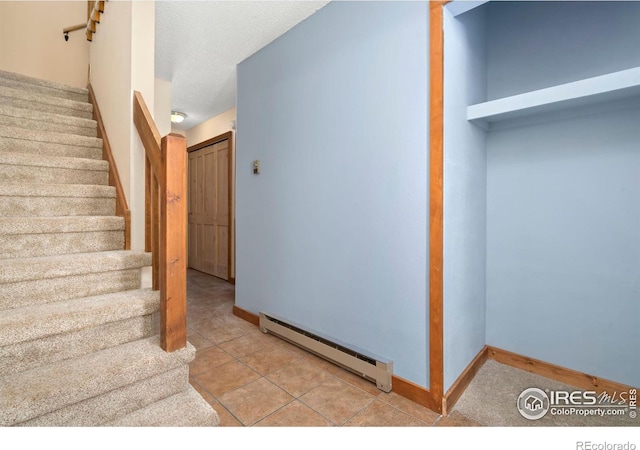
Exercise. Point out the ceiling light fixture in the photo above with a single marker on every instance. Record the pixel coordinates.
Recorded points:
(177, 117)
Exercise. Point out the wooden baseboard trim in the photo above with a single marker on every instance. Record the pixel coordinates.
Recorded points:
(400, 386)
(415, 393)
(246, 315)
(562, 374)
(461, 383)
(424, 397)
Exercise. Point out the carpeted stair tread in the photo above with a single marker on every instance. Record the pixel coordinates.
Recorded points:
(40, 321)
(19, 145)
(46, 200)
(43, 121)
(23, 159)
(49, 136)
(41, 268)
(63, 224)
(50, 244)
(45, 87)
(56, 190)
(78, 332)
(185, 409)
(109, 406)
(51, 107)
(102, 280)
(23, 237)
(31, 354)
(29, 394)
(25, 168)
(32, 100)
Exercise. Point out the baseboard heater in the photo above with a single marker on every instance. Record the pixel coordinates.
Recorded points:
(366, 365)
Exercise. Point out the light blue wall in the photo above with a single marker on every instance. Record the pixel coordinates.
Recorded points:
(464, 193)
(333, 233)
(563, 203)
(563, 266)
(538, 44)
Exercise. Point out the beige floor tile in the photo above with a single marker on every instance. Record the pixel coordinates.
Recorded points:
(412, 408)
(244, 345)
(323, 363)
(337, 400)
(289, 346)
(455, 419)
(255, 401)
(299, 377)
(198, 341)
(208, 359)
(219, 333)
(269, 359)
(226, 418)
(294, 414)
(359, 382)
(226, 377)
(380, 414)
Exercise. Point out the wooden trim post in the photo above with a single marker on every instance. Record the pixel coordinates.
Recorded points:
(436, 169)
(173, 244)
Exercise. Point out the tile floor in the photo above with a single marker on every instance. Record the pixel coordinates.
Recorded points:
(256, 379)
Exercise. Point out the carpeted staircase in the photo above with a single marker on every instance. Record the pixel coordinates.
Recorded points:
(78, 342)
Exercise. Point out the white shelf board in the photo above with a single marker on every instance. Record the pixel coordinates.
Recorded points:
(605, 88)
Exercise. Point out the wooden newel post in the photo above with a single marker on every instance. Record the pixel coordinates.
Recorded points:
(173, 244)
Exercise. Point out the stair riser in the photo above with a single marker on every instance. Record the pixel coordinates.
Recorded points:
(45, 107)
(27, 395)
(107, 407)
(13, 145)
(38, 292)
(79, 339)
(30, 245)
(51, 175)
(49, 136)
(29, 355)
(44, 90)
(185, 409)
(30, 124)
(56, 206)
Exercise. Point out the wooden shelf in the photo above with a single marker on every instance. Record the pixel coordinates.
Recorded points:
(612, 87)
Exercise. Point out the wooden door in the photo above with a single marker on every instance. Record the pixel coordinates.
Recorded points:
(209, 209)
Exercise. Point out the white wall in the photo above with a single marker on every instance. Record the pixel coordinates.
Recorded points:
(333, 233)
(122, 61)
(210, 128)
(162, 106)
(32, 42)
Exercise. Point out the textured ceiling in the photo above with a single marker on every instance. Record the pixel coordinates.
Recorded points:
(199, 44)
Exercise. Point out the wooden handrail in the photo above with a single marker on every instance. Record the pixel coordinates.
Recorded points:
(74, 28)
(166, 222)
(94, 10)
(149, 134)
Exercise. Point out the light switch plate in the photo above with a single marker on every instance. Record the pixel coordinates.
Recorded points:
(256, 167)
